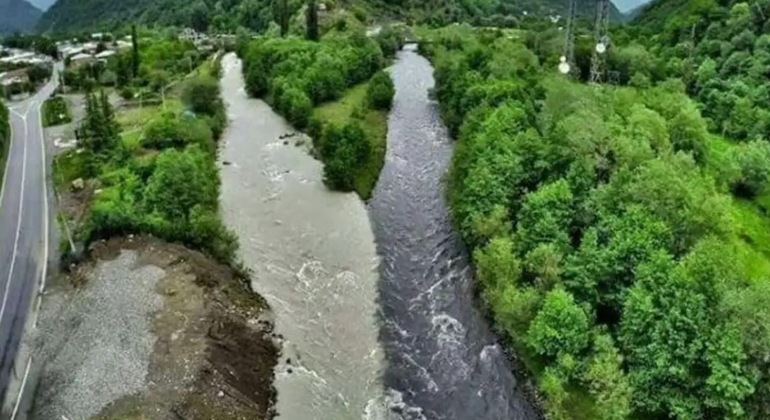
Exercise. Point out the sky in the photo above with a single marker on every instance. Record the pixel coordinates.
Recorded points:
(622, 5)
(45, 4)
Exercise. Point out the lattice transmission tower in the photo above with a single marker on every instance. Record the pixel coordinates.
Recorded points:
(567, 61)
(602, 38)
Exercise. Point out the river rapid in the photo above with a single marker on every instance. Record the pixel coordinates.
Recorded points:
(442, 360)
(313, 258)
(378, 320)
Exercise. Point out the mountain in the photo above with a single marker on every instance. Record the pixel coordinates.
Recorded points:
(67, 15)
(18, 16)
(43, 4)
(625, 6)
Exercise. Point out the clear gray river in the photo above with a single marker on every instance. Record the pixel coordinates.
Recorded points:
(442, 360)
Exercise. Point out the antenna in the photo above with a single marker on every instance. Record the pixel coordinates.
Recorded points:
(602, 38)
(567, 61)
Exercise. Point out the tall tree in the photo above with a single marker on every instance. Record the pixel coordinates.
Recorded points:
(281, 15)
(135, 56)
(312, 21)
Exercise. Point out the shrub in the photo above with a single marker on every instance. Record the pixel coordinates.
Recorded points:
(380, 91)
(344, 149)
(170, 131)
(752, 162)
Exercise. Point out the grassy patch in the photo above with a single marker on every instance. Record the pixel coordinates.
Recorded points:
(68, 166)
(131, 119)
(352, 105)
(56, 112)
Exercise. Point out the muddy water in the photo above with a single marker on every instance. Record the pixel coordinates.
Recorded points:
(443, 361)
(314, 259)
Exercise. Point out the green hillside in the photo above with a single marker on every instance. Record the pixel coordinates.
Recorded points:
(17, 16)
(75, 15)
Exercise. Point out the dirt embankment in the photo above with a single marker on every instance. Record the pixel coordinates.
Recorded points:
(149, 330)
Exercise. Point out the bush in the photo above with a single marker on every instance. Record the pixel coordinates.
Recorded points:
(752, 162)
(296, 106)
(201, 95)
(171, 131)
(56, 112)
(344, 150)
(380, 91)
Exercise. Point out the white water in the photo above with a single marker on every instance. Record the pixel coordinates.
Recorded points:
(313, 258)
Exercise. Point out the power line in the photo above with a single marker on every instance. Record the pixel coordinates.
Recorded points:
(567, 62)
(602, 39)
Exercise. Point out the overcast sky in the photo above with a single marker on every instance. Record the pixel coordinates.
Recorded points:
(626, 5)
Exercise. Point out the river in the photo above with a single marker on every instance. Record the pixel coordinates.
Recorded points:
(313, 258)
(442, 360)
(406, 344)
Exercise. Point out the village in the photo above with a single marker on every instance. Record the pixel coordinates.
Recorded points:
(22, 71)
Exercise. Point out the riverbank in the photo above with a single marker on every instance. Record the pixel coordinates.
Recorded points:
(147, 329)
(353, 107)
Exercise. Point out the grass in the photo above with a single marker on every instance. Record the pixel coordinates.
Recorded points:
(351, 106)
(68, 166)
(751, 237)
(131, 119)
(56, 112)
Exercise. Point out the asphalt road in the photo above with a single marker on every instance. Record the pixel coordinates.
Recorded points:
(23, 226)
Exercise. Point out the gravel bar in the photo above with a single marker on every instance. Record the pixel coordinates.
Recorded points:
(99, 347)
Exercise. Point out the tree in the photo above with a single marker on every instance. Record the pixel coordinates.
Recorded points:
(201, 95)
(344, 149)
(607, 382)
(752, 170)
(312, 21)
(380, 91)
(560, 328)
(135, 58)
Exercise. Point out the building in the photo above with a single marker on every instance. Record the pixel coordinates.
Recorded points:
(13, 77)
(82, 59)
(190, 34)
(104, 55)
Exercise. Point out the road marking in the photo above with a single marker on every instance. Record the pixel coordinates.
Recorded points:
(21, 390)
(18, 223)
(45, 198)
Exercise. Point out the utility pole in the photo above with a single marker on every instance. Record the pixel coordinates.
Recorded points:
(602, 38)
(567, 61)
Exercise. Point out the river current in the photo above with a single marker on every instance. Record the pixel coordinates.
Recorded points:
(378, 320)
(442, 359)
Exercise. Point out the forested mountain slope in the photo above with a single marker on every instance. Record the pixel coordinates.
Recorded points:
(721, 50)
(257, 14)
(17, 16)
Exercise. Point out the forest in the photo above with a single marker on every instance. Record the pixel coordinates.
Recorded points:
(162, 180)
(618, 231)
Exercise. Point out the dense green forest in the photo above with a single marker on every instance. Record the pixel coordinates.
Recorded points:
(612, 239)
(256, 15)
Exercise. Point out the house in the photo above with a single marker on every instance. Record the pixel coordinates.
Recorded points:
(79, 60)
(190, 34)
(123, 45)
(104, 55)
(13, 77)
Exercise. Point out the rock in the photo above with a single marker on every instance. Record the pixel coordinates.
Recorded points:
(226, 163)
(78, 184)
(221, 394)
